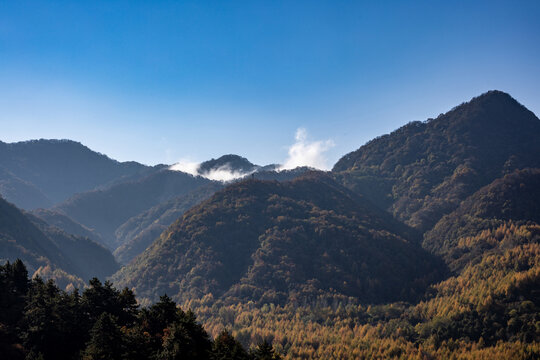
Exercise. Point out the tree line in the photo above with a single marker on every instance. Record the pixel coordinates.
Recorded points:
(39, 321)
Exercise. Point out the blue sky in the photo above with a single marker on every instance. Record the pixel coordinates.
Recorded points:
(160, 81)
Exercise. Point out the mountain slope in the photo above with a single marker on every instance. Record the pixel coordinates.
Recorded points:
(61, 168)
(138, 232)
(279, 242)
(21, 192)
(509, 205)
(65, 223)
(105, 210)
(42, 246)
(425, 169)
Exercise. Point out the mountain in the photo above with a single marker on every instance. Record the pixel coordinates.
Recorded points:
(233, 163)
(57, 169)
(137, 233)
(509, 205)
(140, 231)
(49, 251)
(65, 223)
(425, 169)
(21, 192)
(105, 210)
(279, 242)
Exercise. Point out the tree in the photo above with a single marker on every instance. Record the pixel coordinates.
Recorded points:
(265, 351)
(186, 339)
(226, 347)
(106, 340)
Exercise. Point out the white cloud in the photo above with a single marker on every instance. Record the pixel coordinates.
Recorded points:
(186, 166)
(306, 153)
(224, 173)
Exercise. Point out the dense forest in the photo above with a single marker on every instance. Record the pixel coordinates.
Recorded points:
(40, 321)
(279, 242)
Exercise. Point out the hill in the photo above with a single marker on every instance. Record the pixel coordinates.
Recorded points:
(105, 210)
(49, 251)
(137, 233)
(281, 242)
(140, 231)
(487, 217)
(64, 222)
(231, 162)
(58, 169)
(425, 169)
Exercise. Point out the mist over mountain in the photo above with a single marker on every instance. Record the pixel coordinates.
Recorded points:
(424, 170)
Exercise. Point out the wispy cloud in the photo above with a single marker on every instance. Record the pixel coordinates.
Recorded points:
(304, 152)
(223, 173)
(307, 153)
(186, 166)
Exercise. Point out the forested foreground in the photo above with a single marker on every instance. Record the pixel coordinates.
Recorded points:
(491, 310)
(40, 321)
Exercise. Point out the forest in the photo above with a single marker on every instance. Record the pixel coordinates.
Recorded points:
(39, 321)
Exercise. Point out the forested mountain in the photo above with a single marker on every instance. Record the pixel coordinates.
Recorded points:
(62, 221)
(510, 204)
(105, 210)
(425, 169)
(49, 251)
(140, 231)
(57, 169)
(231, 162)
(20, 192)
(280, 242)
(424, 243)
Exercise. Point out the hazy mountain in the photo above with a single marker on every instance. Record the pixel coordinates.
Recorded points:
(140, 231)
(273, 242)
(484, 219)
(425, 169)
(64, 222)
(58, 169)
(48, 250)
(105, 210)
(21, 192)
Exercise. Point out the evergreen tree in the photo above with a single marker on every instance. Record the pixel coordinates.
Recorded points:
(106, 340)
(226, 347)
(186, 339)
(265, 351)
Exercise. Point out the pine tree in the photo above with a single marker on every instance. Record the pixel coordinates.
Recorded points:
(265, 351)
(226, 347)
(106, 340)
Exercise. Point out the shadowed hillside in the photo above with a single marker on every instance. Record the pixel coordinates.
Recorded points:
(59, 169)
(280, 242)
(425, 169)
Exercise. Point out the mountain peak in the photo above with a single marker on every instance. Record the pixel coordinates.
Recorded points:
(231, 161)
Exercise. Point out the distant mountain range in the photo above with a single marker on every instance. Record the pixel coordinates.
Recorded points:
(436, 225)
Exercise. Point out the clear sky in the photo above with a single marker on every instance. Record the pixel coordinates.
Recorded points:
(157, 81)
